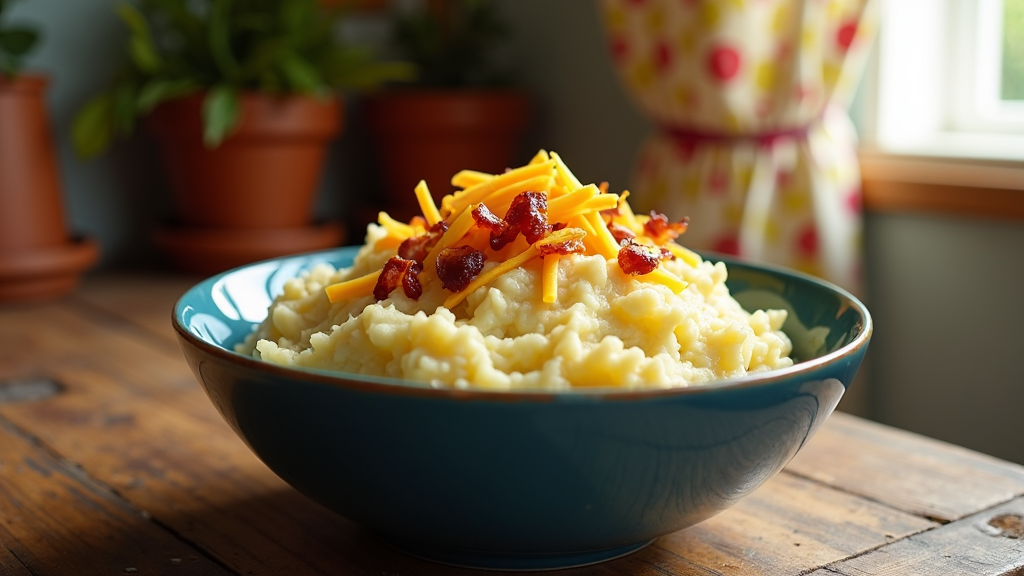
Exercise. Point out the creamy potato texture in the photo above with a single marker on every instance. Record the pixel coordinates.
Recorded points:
(604, 327)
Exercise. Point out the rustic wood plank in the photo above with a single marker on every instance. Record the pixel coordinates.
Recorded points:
(144, 300)
(912, 473)
(788, 526)
(55, 520)
(990, 543)
(131, 422)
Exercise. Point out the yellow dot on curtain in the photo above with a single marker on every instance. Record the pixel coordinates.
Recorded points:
(687, 42)
(795, 201)
(781, 19)
(830, 73)
(710, 14)
(733, 214)
(809, 39)
(615, 18)
(771, 231)
(655, 21)
(684, 95)
(765, 76)
(691, 187)
(835, 9)
(644, 74)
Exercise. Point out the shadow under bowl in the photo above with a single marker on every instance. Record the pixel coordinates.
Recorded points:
(521, 480)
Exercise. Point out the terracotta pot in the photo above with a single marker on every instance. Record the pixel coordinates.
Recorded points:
(263, 178)
(432, 134)
(264, 175)
(38, 257)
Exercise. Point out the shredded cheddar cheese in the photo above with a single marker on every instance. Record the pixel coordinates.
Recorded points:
(426, 202)
(582, 212)
(355, 288)
(549, 278)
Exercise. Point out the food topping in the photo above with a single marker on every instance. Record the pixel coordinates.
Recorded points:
(457, 267)
(417, 247)
(399, 272)
(537, 210)
(659, 229)
(639, 259)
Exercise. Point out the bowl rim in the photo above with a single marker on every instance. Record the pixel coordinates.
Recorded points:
(389, 385)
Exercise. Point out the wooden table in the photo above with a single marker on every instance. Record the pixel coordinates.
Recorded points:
(122, 466)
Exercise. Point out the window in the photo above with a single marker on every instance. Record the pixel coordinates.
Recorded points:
(949, 79)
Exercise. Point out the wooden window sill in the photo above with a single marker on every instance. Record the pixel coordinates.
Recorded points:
(988, 189)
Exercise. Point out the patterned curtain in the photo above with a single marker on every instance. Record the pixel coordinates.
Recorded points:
(753, 144)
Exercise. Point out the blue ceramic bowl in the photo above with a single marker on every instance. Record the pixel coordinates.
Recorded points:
(521, 480)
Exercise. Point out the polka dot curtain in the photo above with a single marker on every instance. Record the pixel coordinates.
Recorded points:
(753, 143)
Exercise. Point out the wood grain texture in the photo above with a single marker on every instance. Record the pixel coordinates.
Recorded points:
(144, 300)
(986, 544)
(55, 520)
(909, 472)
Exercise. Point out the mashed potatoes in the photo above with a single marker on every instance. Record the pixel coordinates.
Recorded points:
(555, 321)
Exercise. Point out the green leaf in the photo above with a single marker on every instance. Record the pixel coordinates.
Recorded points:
(220, 38)
(220, 114)
(156, 92)
(123, 111)
(18, 41)
(134, 19)
(301, 75)
(93, 127)
(144, 55)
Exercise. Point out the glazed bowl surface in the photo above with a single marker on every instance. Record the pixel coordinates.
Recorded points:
(521, 480)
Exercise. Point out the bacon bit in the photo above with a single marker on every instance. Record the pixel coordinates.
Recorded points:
(638, 259)
(571, 246)
(487, 220)
(399, 272)
(417, 247)
(603, 187)
(620, 233)
(659, 229)
(529, 214)
(457, 267)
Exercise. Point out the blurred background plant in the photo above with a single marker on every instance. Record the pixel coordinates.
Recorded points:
(452, 42)
(16, 41)
(179, 47)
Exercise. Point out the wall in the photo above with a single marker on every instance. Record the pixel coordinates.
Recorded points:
(946, 354)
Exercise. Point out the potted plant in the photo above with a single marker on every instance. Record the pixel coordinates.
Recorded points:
(459, 113)
(38, 257)
(241, 99)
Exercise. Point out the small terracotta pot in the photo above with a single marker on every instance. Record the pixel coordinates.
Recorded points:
(431, 134)
(264, 175)
(38, 257)
(259, 183)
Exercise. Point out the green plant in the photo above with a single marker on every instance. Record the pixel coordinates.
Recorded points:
(452, 42)
(224, 47)
(15, 43)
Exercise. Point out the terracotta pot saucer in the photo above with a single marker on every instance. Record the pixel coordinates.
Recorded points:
(212, 250)
(47, 272)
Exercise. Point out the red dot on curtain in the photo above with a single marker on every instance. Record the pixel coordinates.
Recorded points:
(729, 244)
(619, 48)
(684, 149)
(847, 32)
(724, 62)
(662, 56)
(853, 202)
(718, 182)
(807, 241)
